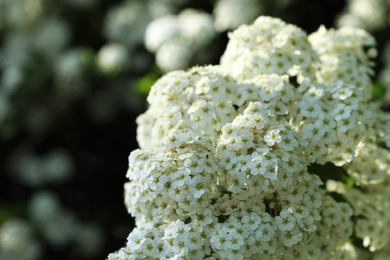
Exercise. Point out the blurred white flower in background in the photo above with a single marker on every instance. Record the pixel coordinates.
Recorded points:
(17, 241)
(368, 14)
(60, 227)
(56, 224)
(53, 31)
(21, 13)
(70, 71)
(112, 58)
(174, 54)
(36, 171)
(160, 31)
(229, 14)
(125, 23)
(196, 26)
(178, 39)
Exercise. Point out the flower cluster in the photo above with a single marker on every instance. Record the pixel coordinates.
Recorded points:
(372, 15)
(229, 165)
(331, 72)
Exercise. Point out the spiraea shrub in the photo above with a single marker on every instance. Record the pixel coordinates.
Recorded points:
(279, 152)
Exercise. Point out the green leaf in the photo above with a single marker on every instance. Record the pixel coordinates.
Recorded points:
(144, 84)
(349, 182)
(3, 216)
(378, 90)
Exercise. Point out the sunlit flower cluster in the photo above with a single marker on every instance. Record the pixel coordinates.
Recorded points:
(230, 159)
(331, 73)
(373, 16)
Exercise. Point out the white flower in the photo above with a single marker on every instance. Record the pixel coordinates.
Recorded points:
(272, 137)
(231, 156)
(112, 58)
(161, 31)
(17, 241)
(174, 55)
(285, 221)
(229, 14)
(196, 26)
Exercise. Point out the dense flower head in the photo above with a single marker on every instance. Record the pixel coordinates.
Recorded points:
(269, 46)
(331, 71)
(229, 165)
(203, 97)
(345, 56)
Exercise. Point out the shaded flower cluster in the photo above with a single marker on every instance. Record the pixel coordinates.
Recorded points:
(230, 159)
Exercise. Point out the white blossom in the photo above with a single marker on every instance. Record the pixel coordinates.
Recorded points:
(229, 165)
